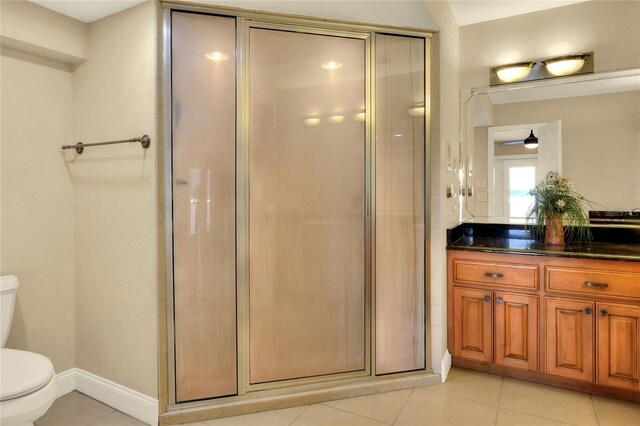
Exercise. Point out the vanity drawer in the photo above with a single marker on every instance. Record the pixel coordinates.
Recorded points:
(495, 273)
(593, 281)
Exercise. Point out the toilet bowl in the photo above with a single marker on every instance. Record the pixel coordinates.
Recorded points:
(27, 380)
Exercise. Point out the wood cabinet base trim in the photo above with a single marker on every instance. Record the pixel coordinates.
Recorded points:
(548, 380)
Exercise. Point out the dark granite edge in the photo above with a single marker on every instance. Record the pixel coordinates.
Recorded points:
(532, 252)
(505, 239)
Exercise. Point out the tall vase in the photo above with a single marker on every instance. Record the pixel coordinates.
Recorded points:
(554, 235)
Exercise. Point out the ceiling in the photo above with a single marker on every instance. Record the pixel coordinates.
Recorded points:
(466, 12)
(87, 10)
(469, 12)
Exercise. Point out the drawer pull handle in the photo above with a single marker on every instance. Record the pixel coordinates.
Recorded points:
(590, 284)
(499, 300)
(487, 298)
(493, 275)
(603, 313)
(588, 311)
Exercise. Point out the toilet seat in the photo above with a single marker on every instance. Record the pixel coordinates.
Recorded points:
(23, 373)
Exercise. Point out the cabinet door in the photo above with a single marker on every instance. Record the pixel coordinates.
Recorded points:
(472, 324)
(516, 330)
(618, 345)
(569, 341)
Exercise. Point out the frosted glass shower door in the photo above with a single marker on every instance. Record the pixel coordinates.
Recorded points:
(307, 205)
(400, 203)
(203, 145)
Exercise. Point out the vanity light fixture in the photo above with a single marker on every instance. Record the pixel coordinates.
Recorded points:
(565, 65)
(336, 119)
(332, 65)
(531, 142)
(217, 56)
(541, 69)
(360, 117)
(514, 72)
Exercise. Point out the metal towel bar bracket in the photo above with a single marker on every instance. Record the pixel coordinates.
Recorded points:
(144, 140)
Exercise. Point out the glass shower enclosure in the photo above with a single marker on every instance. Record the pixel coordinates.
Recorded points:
(297, 213)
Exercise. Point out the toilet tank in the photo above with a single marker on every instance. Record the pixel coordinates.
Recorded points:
(8, 288)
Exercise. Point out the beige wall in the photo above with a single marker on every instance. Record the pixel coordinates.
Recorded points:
(405, 13)
(445, 86)
(37, 204)
(80, 231)
(115, 210)
(608, 28)
(42, 32)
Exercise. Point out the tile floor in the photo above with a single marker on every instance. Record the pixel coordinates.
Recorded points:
(468, 398)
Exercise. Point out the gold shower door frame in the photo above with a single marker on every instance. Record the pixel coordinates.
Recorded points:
(246, 20)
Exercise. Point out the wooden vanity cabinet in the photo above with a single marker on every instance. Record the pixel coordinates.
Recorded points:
(491, 325)
(570, 322)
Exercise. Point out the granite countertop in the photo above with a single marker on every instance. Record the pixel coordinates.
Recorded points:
(609, 243)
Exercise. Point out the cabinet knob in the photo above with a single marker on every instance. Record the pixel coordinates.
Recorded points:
(499, 300)
(588, 311)
(603, 313)
(493, 275)
(487, 298)
(592, 284)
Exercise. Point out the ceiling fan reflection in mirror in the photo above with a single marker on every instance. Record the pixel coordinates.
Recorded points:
(530, 142)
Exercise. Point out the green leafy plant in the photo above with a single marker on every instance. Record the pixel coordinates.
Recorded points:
(555, 195)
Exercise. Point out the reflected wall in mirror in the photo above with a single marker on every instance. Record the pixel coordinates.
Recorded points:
(588, 129)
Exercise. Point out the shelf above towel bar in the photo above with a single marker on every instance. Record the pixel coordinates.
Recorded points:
(144, 140)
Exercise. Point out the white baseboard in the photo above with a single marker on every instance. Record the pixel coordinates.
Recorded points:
(445, 365)
(66, 382)
(128, 401)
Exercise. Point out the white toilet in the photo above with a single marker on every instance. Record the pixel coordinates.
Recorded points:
(27, 380)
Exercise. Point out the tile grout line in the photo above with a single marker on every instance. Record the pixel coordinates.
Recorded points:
(426, 388)
(113, 410)
(499, 400)
(403, 405)
(522, 412)
(595, 409)
(352, 413)
(301, 413)
(541, 417)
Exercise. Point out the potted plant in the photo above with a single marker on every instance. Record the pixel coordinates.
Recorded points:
(555, 205)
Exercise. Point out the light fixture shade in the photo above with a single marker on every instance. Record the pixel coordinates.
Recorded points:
(514, 72)
(531, 142)
(565, 65)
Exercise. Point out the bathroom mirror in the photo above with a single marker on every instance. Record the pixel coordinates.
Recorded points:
(588, 129)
